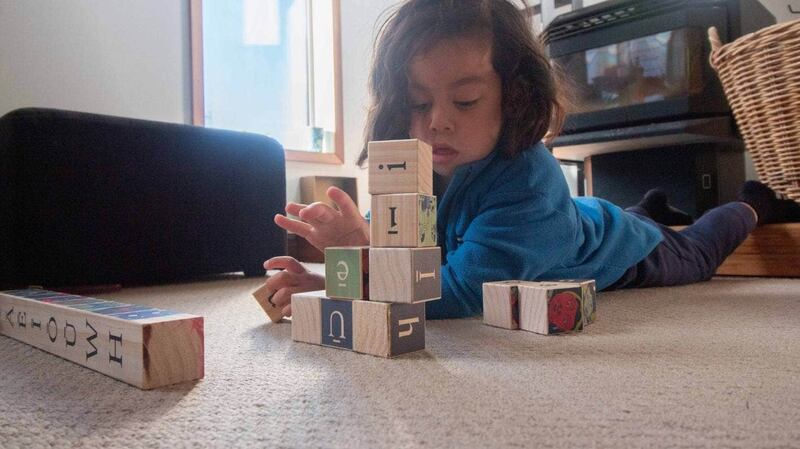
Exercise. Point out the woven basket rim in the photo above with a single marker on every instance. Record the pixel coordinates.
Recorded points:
(754, 40)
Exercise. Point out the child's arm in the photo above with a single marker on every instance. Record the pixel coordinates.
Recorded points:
(293, 279)
(324, 226)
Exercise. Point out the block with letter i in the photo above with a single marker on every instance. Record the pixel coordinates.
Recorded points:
(400, 166)
(405, 275)
(403, 220)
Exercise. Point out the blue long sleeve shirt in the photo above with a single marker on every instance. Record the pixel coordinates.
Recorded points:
(504, 218)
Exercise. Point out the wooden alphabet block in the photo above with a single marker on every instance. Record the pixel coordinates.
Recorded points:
(263, 295)
(376, 328)
(550, 307)
(403, 220)
(588, 297)
(388, 330)
(400, 166)
(306, 317)
(347, 272)
(337, 323)
(405, 275)
(501, 304)
(137, 344)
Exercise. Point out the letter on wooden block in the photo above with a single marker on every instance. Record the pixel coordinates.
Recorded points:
(405, 275)
(388, 330)
(550, 307)
(263, 296)
(307, 317)
(501, 304)
(337, 323)
(400, 166)
(403, 220)
(137, 344)
(347, 272)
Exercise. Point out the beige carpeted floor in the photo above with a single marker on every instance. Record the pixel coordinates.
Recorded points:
(709, 365)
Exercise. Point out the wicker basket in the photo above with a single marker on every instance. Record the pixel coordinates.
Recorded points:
(760, 73)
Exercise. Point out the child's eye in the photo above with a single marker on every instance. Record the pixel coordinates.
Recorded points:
(466, 104)
(420, 107)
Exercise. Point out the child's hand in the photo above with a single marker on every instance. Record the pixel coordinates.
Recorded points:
(293, 279)
(324, 226)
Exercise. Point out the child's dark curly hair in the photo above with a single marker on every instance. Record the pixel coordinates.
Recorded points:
(531, 101)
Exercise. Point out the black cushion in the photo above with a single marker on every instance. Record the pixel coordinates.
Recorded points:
(90, 199)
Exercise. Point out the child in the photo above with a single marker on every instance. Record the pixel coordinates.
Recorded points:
(469, 78)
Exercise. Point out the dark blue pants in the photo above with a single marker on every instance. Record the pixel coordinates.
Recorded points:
(692, 254)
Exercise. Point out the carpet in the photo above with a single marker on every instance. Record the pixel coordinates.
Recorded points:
(709, 365)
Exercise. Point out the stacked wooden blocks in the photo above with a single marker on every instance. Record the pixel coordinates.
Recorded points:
(550, 307)
(374, 298)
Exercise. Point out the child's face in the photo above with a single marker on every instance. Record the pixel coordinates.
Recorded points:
(455, 97)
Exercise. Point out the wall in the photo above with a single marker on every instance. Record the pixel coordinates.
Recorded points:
(117, 57)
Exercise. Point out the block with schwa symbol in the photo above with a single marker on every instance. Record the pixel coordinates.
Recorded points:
(405, 275)
(347, 272)
(400, 166)
(405, 220)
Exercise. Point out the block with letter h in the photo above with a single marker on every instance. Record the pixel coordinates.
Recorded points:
(548, 307)
(369, 327)
(374, 298)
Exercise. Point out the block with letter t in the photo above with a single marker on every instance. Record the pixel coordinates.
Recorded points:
(400, 166)
(347, 272)
(403, 220)
(405, 275)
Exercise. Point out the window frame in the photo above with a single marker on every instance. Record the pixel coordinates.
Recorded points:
(198, 104)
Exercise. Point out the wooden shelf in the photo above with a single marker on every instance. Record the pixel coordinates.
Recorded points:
(770, 250)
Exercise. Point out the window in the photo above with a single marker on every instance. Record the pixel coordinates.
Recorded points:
(270, 67)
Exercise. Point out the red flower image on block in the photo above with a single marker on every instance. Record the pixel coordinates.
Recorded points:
(562, 310)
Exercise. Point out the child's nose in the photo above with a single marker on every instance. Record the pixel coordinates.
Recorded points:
(441, 120)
